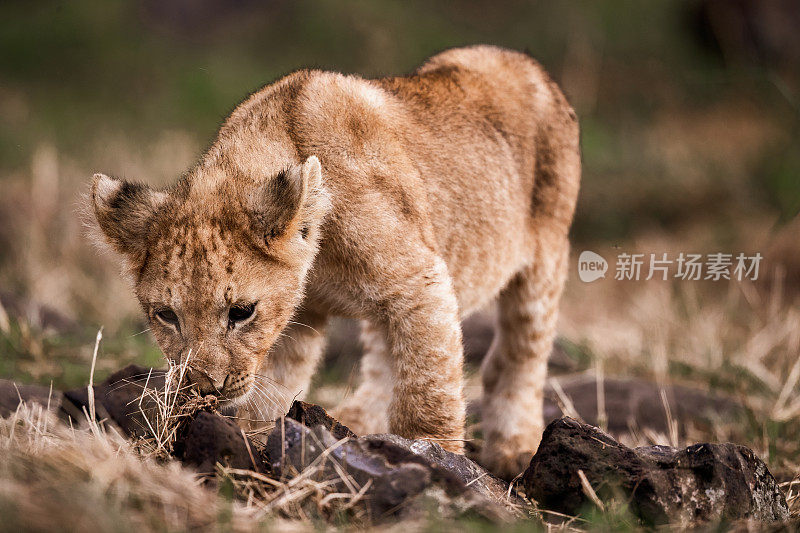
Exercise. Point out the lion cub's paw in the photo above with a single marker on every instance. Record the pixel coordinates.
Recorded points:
(362, 421)
(506, 464)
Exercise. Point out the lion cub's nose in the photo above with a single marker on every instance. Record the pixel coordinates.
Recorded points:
(209, 382)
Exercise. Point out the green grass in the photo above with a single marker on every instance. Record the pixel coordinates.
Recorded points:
(32, 356)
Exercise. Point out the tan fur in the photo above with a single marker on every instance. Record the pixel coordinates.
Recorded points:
(436, 192)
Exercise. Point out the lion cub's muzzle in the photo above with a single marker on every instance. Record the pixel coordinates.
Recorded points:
(226, 386)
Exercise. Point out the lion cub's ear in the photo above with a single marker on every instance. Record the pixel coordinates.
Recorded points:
(124, 212)
(293, 200)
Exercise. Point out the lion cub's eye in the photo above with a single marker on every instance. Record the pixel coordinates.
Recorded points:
(240, 313)
(167, 316)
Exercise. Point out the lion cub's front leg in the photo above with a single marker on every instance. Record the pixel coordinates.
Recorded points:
(424, 340)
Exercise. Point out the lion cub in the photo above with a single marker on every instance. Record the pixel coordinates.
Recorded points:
(405, 202)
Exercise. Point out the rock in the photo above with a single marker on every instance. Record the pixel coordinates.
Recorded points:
(400, 475)
(117, 399)
(202, 440)
(477, 333)
(631, 403)
(209, 439)
(690, 486)
(312, 415)
(128, 395)
(637, 403)
(405, 478)
(343, 349)
(12, 393)
(463, 469)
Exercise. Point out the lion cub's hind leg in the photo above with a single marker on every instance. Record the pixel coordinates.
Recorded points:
(515, 368)
(366, 410)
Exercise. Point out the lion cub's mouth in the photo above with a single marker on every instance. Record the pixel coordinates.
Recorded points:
(236, 393)
(230, 400)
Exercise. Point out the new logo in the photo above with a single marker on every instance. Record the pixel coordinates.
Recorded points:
(591, 266)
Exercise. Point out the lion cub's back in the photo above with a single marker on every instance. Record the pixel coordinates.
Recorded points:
(510, 83)
(483, 110)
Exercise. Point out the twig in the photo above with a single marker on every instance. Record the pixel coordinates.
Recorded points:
(589, 491)
(90, 388)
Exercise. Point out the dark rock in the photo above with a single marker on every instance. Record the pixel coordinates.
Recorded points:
(701, 483)
(631, 404)
(400, 474)
(11, 394)
(125, 398)
(466, 471)
(342, 346)
(312, 415)
(203, 438)
(209, 439)
(637, 403)
(477, 333)
(128, 398)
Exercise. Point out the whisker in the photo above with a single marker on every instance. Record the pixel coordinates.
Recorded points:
(143, 331)
(275, 396)
(270, 380)
(305, 326)
(259, 407)
(266, 396)
(286, 336)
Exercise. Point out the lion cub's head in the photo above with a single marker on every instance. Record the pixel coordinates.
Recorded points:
(218, 263)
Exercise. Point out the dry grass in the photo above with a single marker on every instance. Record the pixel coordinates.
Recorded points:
(93, 478)
(164, 409)
(78, 479)
(742, 340)
(54, 476)
(300, 498)
(48, 255)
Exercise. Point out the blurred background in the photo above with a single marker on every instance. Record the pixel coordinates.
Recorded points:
(690, 118)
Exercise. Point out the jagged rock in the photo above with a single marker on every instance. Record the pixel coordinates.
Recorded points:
(116, 399)
(209, 439)
(631, 404)
(202, 440)
(400, 475)
(465, 470)
(698, 484)
(311, 415)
